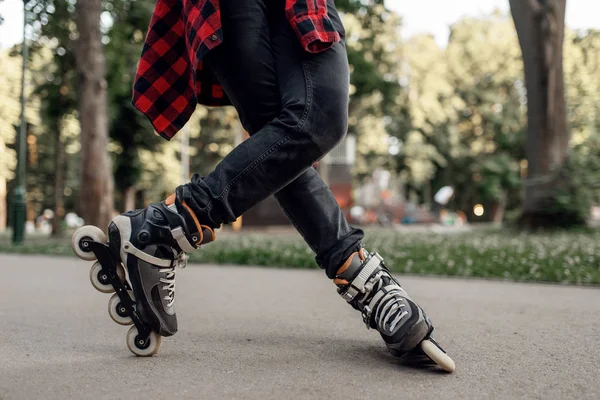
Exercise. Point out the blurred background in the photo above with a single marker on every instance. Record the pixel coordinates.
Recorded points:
(445, 130)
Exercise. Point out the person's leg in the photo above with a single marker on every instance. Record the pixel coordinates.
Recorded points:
(315, 213)
(248, 75)
(317, 85)
(312, 120)
(152, 241)
(313, 98)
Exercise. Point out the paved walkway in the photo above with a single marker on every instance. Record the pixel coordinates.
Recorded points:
(252, 333)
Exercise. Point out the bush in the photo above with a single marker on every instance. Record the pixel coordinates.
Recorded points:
(581, 183)
(565, 257)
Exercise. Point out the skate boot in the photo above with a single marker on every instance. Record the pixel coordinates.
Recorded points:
(367, 285)
(138, 262)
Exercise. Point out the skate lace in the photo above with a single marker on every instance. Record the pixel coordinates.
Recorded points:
(169, 279)
(390, 310)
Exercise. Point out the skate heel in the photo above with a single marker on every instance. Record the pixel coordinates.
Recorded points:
(107, 275)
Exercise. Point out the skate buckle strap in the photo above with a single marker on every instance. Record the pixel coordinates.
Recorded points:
(359, 284)
(182, 240)
(131, 249)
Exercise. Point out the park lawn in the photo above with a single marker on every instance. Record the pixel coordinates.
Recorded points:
(564, 257)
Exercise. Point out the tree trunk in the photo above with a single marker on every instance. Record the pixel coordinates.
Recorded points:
(59, 181)
(129, 198)
(428, 198)
(498, 208)
(540, 28)
(96, 198)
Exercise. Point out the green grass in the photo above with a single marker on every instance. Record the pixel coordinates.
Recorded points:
(566, 257)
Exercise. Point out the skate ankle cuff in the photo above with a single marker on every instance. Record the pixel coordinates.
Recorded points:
(192, 234)
(362, 284)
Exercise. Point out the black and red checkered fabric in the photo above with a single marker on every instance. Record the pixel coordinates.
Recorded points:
(171, 80)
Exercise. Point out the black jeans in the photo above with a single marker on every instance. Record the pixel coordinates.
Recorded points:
(295, 106)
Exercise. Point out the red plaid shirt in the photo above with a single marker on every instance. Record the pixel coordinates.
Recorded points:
(170, 78)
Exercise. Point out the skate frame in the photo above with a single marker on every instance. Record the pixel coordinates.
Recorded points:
(108, 263)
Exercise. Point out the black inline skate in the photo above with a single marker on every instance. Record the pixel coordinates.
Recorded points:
(367, 285)
(137, 261)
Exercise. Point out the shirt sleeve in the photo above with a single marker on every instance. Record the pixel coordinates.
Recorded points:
(311, 23)
(163, 87)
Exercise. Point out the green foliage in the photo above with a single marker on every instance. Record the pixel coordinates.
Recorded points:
(56, 85)
(457, 113)
(579, 187)
(578, 181)
(55, 81)
(466, 112)
(129, 130)
(498, 174)
(10, 87)
(582, 68)
(565, 257)
(212, 136)
(375, 55)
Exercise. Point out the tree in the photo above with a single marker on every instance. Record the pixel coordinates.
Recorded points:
(10, 85)
(56, 88)
(374, 53)
(466, 118)
(96, 195)
(581, 190)
(129, 130)
(540, 27)
(212, 136)
(484, 68)
(582, 65)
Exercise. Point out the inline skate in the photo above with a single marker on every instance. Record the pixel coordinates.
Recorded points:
(367, 285)
(137, 263)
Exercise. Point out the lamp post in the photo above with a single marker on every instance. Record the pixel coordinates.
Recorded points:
(19, 195)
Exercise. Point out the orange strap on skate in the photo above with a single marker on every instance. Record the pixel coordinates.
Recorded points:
(201, 228)
(346, 265)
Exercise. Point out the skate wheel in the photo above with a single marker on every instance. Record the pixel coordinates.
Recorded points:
(99, 279)
(121, 274)
(117, 311)
(80, 241)
(437, 355)
(147, 349)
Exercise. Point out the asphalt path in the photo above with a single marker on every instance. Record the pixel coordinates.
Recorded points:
(255, 333)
